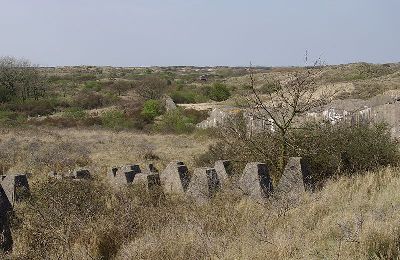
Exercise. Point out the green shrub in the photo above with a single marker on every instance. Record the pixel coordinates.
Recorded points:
(151, 109)
(31, 107)
(93, 85)
(219, 92)
(115, 119)
(195, 115)
(187, 96)
(175, 122)
(91, 100)
(9, 118)
(75, 113)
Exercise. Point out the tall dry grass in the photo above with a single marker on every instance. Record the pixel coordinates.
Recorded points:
(351, 218)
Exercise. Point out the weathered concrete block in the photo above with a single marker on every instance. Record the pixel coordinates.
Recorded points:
(151, 168)
(175, 178)
(55, 175)
(81, 174)
(224, 169)
(149, 181)
(16, 187)
(256, 181)
(6, 240)
(204, 184)
(291, 185)
(123, 175)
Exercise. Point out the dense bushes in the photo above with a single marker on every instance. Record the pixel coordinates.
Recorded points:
(330, 150)
(175, 122)
(186, 96)
(219, 92)
(32, 107)
(189, 94)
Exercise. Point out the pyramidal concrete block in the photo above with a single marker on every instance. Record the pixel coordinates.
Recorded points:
(16, 187)
(204, 184)
(119, 176)
(175, 178)
(224, 170)
(5, 232)
(256, 181)
(291, 184)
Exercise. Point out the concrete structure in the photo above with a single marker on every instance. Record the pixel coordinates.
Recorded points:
(256, 181)
(223, 169)
(169, 103)
(204, 184)
(16, 187)
(81, 174)
(291, 186)
(175, 178)
(5, 232)
(123, 175)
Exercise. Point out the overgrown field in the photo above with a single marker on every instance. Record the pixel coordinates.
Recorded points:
(58, 119)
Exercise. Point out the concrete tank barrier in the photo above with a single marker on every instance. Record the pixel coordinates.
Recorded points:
(16, 187)
(224, 170)
(6, 240)
(256, 181)
(175, 178)
(292, 183)
(123, 175)
(204, 184)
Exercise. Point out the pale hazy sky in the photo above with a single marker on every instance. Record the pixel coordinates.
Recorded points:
(194, 32)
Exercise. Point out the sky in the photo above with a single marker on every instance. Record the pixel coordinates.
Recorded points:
(199, 32)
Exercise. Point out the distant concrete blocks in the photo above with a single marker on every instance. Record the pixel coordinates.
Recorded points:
(16, 187)
(291, 185)
(256, 181)
(175, 178)
(204, 184)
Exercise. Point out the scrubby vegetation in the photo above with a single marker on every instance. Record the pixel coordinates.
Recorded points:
(58, 119)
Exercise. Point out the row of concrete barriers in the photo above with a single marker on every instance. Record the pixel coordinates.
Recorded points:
(200, 186)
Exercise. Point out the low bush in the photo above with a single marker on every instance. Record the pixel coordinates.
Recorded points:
(151, 109)
(91, 100)
(175, 121)
(75, 113)
(93, 85)
(116, 120)
(32, 107)
(9, 118)
(219, 92)
(187, 96)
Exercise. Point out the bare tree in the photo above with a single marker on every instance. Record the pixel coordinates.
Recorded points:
(19, 79)
(151, 88)
(287, 100)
